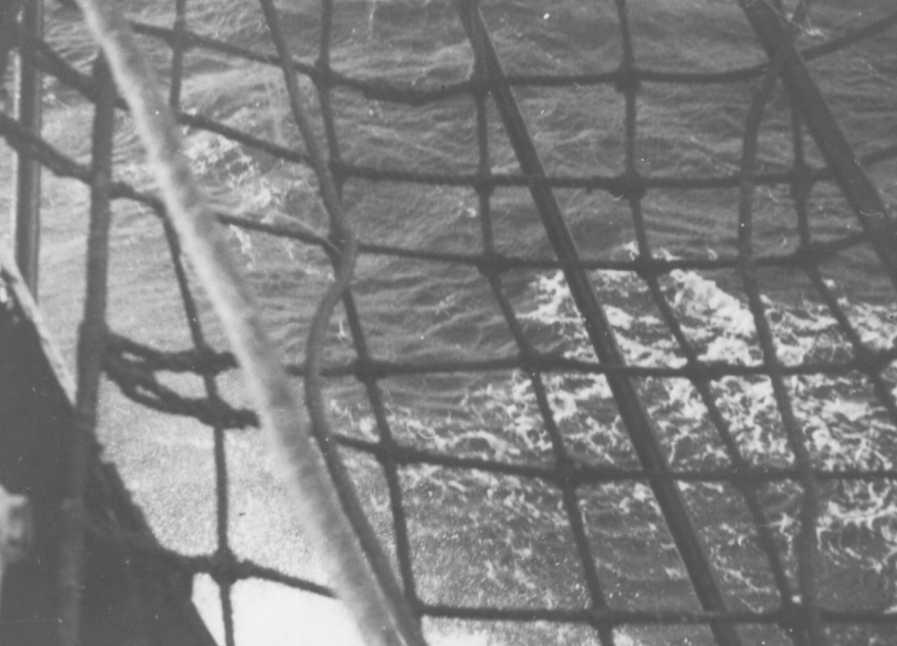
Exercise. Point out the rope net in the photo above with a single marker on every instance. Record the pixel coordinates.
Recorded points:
(560, 430)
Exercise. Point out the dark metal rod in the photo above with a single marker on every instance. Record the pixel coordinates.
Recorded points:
(26, 191)
(632, 412)
(859, 191)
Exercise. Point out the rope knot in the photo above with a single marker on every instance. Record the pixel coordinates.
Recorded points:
(630, 186)
(492, 264)
(795, 616)
(648, 268)
(223, 567)
(802, 181)
(626, 80)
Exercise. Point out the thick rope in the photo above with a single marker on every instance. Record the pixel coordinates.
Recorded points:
(316, 502)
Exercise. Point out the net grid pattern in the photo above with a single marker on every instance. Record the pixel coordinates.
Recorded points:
(133, 366)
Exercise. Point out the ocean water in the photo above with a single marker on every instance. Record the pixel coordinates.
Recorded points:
(477, 538)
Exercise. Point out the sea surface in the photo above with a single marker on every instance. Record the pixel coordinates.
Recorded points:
(480, 539)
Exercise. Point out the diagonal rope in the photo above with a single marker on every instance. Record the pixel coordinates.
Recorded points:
(91, 349)
(858, 189)
(698, 378)
(390, 611)
(601, 336)
(563, 462)
(317, 503)
(224, 555)
(403, 550)
(806, 614)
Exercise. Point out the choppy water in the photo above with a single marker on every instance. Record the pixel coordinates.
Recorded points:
(503, 540)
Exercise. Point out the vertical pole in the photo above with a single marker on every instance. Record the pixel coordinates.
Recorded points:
(26, 192)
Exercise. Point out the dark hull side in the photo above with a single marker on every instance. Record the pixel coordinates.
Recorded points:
(130, 598)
